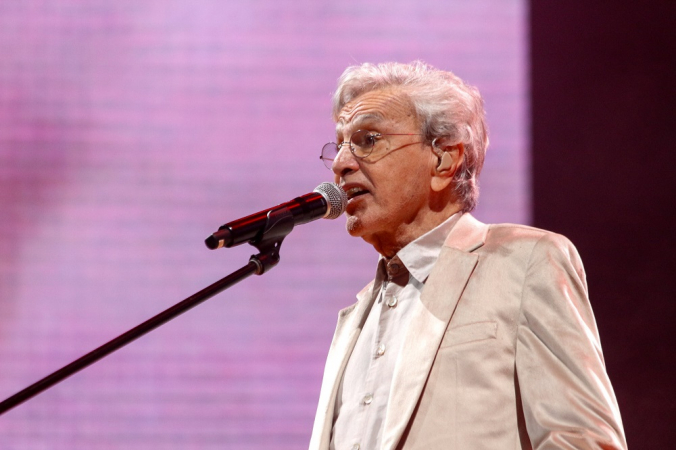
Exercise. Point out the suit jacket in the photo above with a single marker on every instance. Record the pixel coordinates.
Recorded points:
(501, 351)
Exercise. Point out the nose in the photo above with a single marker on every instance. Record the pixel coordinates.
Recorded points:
(344, 162)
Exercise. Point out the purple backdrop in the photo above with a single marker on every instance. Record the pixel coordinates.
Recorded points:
(129, 131)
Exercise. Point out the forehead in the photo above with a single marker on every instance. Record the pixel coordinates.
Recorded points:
(390, 105)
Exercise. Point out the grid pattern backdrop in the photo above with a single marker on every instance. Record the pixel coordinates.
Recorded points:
(129, 131)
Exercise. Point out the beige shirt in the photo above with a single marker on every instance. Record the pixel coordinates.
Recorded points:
(364, 391)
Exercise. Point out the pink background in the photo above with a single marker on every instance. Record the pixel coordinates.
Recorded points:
(129, 131)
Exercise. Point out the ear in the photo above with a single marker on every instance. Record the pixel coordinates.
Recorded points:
(450, 157)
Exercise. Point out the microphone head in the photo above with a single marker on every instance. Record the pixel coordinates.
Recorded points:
(335, 197)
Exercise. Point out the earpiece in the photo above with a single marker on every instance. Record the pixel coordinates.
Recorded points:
(445, 162)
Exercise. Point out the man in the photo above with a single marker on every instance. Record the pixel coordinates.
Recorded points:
(471, 336)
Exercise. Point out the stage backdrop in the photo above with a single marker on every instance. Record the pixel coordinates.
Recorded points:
(129, 131)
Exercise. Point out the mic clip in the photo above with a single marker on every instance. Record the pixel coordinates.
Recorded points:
(278, 225)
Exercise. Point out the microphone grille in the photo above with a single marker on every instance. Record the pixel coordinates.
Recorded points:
(336, 198)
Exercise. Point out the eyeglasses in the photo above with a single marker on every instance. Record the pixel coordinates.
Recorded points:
(361, 144)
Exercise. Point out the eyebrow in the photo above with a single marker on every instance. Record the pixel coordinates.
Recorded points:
(359, 119)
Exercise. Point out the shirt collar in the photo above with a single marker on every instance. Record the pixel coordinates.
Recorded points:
(420, 255)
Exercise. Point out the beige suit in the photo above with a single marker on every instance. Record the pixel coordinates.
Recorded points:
(501, 353)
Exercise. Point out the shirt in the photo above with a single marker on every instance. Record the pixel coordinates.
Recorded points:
(361, 403)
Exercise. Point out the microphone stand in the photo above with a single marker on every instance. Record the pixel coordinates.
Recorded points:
(279, 224)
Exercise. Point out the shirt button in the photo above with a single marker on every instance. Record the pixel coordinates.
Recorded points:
(355, 447)
(368, 398)
(381, 350)
(392, 302)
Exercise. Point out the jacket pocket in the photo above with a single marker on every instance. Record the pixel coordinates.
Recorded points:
(470, 332)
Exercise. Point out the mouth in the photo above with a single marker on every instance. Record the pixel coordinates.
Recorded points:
(354, 192)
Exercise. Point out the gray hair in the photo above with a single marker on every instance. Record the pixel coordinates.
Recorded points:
(445, 106)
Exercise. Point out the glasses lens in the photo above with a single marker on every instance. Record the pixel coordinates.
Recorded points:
(329, 152)
(363, 142)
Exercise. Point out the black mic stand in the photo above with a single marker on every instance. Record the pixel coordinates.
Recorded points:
(279, 224)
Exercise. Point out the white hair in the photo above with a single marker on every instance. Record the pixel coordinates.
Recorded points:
(445, 105)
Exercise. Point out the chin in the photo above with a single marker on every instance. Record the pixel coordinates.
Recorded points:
(353, 226)
(363, 227)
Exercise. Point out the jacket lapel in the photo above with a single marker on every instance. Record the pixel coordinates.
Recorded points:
(428, 323)
(350, 323)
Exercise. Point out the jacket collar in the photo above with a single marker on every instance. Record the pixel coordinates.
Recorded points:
(468, 234)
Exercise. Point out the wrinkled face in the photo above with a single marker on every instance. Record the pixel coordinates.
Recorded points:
(389, 189)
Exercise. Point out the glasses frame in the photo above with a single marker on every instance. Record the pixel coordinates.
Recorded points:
(328, 162)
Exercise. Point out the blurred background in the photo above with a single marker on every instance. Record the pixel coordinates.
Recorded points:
(130, 130)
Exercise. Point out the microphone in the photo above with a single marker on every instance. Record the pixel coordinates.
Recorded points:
(327, 201)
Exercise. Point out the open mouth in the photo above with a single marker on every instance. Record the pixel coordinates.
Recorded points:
(355, 192)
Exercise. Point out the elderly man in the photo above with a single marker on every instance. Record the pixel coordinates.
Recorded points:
(471, 336)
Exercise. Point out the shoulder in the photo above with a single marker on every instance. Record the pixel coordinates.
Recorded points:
(532, 246)
(538, 250)
(469, 234)
(508, 240)
(516, 232)
(535, 239)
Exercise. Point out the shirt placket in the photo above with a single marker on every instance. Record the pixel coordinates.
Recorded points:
(376, 388)
(371, 398)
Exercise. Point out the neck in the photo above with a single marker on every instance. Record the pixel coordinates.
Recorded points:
(388, 243)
